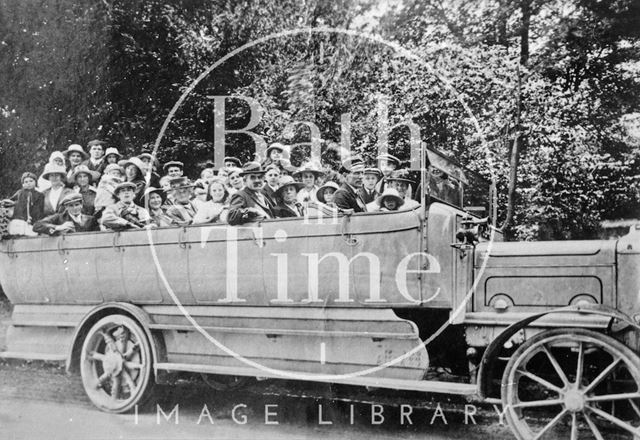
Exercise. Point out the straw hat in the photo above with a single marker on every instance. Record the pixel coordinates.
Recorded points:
(52, 168)
(287, 181)
(93, 175)
(390, 193)
(323, 188)
(75, 148)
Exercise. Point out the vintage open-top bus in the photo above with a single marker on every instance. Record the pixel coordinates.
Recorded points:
(550, 329)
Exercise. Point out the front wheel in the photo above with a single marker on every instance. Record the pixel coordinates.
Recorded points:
(116, 364)
(574, 384)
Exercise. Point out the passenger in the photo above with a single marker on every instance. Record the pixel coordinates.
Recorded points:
(309, 175)
(274, 153)
(390, 200)
(216, 209)
(70, 221)
(234, 180)
(325, 193)
(112, 177)
(134, 172)
(56, 158)
(368, 191)
(82, 179)
(400, 181)
(249, 204)
(182, 210)
(286, 168)
(288, 202)
(154, 201)
(112, 155)
(29, 206)
(125, 214)
(346, 197)
(149, 167)
(96, 160)
(56, 175)
(223, 173)
(173, 168)
(272, 182)
(199, 194)
(207, 174)
(75, 156)
(6, 212)
(232, 162)
(387, 164)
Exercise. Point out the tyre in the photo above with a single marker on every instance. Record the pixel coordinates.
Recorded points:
(116, 364)
(574, 384)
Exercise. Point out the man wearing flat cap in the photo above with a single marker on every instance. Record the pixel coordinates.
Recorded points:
(69, 221)
(125, 214)
(173, 168)
(346, 198)
(249, 204)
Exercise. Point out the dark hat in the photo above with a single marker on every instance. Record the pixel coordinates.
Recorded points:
(152, 190)
(286, 181)
(93, 175)
(75, 148)
(71, 198)
(124, 185)
(400, 176)
(172, 163)
(389, 158)
(252, 168)
(232, 159)
(180, 182)
(323, 188)
(7, 203)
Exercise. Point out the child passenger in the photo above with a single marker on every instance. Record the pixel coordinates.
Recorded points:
(29, 207)
(215, 208)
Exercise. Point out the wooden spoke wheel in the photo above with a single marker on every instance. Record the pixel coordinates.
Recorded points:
(573, 384)
(116, 364)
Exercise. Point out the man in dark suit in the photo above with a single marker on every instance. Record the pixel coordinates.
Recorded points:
(346, 198)
(96, 160)
(249, 204)
(367, 191)
(71, 220)
(272, 182)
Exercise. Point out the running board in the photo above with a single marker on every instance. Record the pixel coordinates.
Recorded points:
(427, 386)
(33, 356)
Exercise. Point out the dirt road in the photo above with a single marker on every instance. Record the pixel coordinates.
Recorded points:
(41, 401)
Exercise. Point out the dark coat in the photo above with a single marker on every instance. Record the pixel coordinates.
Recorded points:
(346, 198)
(366, 196)
(283, 211)
(46, 225)
(244, 199)
(28, 203)
(270, 193)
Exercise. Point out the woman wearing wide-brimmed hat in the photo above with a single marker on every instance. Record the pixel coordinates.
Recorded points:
(389, 200)
(134, 173)
(400, 181)
(75, 155)
(309, 174)
(82, 180)
(287, 196)
(56, 158)
(56, 175)
(154, 201)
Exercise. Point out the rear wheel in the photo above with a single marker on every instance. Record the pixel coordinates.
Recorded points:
(574, 384)
(116, 364)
